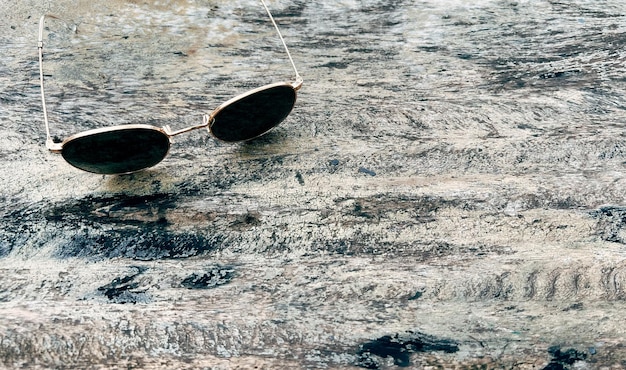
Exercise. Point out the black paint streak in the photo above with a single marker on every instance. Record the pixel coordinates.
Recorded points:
(5, 249)
(558, 74)
(143, 245)
(422, 208)
(98, 210)
(300, 178)
(124, 226)
(246, 221)
(215, 276)
(560, 359)
(367, 171)
(17, 225)
(611, 220)
(574, 307)
(415, 296)
(359, 212)
(126, 289)
(400, 347)
(335, 65)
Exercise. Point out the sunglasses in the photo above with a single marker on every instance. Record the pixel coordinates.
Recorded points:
(134, 147)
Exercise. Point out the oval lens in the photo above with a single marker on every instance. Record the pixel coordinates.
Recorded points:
(254, 114)
(117, 150)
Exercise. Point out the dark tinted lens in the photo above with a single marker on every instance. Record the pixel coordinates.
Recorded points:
(121, 150)
(254, 115)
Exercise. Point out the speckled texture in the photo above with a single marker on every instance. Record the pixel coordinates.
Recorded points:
(448, 191)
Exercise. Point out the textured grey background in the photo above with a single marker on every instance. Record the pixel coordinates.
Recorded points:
(449, 190)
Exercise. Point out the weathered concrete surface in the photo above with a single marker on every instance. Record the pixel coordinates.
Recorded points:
(449, 190)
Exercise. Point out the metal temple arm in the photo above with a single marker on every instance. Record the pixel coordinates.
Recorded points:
(50, 144)
(299, 80)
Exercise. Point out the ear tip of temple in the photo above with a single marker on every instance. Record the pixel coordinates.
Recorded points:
(53, 146)
(298, 83)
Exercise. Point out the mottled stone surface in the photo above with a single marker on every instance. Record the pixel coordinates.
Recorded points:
(448, 192)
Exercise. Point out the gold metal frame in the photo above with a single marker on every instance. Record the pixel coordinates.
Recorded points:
(207, 119)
